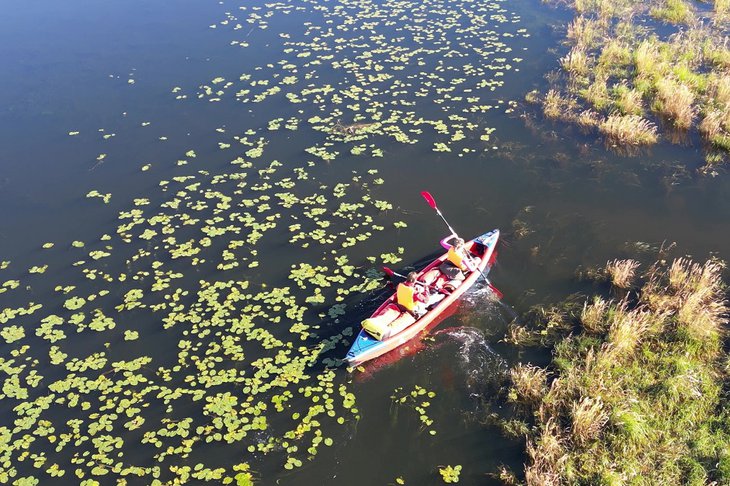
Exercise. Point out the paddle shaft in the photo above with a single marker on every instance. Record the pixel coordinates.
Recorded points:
(432, 202)
(447, 223)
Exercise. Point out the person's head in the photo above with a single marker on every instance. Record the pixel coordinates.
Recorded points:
(458, 243)
(411, 278)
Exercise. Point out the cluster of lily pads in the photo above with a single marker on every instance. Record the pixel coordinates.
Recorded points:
(249, 366)
(419, 400)
(202, 320)
(400, 70)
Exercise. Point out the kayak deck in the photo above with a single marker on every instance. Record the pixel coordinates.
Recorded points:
(366, 347)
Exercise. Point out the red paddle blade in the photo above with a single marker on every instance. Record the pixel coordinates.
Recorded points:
(388, 271)
(429, 199)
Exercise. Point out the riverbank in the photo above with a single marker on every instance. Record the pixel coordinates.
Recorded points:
(639, 393)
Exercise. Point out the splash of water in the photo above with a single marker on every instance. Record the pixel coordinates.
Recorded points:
(480, 364)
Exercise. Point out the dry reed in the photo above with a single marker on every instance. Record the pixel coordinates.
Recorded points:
(547, 456)
(556, 105)
(529, 382)
(626, 330)
(629, 101)
(675, 101)
(589, 417)
(583, 31)
(622, 272)
(629, 130)
(593, 316)
(711, 125)
(576, 62)
(588, 119)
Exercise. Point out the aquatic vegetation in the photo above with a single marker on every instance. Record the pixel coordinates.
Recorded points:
(622, 61)
(450, 474)
(243, 350)
(529, 383)
(628, 129)
(377, 100)
(637, 395)
(179, 334)
(674, 11)
(419, 400)
(621, 272)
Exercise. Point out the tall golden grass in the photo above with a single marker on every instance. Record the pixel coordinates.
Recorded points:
(529, 382)
(646, 58)
(593, 316)
(588, 119)
(674, 11)
(547, 457)
(556, 105)
(629, 101)
(589, 417)
(576, 62)
(721, 87)
(626, 330)
(583, 31)
(675, 101)
(629, 130)
(622, 272)
(700, 308)
(632, 402)
(711, 125)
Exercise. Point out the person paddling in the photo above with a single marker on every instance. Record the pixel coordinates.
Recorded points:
(459, 262)
(461, 258)
(412, 295)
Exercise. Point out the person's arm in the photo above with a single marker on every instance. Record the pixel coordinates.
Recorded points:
(469, 260)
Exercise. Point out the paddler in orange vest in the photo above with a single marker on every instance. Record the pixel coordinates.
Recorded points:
(460, 257)
(458, 262)
(412, 295)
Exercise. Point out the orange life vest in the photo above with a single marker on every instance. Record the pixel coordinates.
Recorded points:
(454, 257)
(405, 296)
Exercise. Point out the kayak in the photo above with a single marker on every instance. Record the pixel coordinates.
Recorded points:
(403, 325)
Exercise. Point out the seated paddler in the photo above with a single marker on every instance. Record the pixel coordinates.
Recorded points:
(412, 295)
(459, 261)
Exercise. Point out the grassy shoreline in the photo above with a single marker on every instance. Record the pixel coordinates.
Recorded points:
(639, 395)
(637, 71)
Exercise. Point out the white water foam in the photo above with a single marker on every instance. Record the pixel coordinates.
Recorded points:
(481, 365)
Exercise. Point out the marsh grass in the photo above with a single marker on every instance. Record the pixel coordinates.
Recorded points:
(588, 119)
(584, 31)
(529, 383)
(628, 130)
(593, 316)
(621, 63)
(712, 124)
(589, 417)
(556, 105)
(615, 58)
(673, 11)
(675, 101)
(637, 398)
(576, 62)
(622, 272)
(597, 94)
(628, 101)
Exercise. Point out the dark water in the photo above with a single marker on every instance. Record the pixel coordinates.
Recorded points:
(560, 198)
